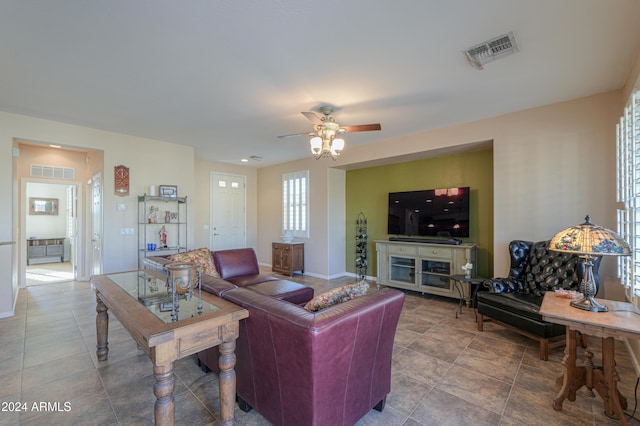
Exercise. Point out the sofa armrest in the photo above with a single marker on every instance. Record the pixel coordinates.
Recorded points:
(503, 285)
(215, 285)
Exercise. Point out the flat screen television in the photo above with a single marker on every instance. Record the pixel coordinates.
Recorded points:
(432, 212)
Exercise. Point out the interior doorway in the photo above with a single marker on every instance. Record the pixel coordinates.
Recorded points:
(67, 170)
(50, 224)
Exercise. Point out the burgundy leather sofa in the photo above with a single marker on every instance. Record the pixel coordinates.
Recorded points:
(297, 367)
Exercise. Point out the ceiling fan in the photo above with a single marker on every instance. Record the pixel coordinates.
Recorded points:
(325, 141)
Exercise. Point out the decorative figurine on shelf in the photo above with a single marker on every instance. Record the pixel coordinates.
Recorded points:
(163, 237)
(153, 214)
(167, 216)
(468, 267)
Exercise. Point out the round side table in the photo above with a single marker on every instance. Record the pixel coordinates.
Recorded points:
(474, 283)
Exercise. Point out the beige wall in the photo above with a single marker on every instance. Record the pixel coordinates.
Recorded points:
(150, 162)
(324, 206)
(202, 200)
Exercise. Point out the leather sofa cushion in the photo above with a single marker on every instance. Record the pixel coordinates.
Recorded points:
(534, 326)
(289, 291)
(525, 304)
(251, 280)
(236, 262)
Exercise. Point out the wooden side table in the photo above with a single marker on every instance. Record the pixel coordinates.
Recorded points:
(622, 320)
(286, 258)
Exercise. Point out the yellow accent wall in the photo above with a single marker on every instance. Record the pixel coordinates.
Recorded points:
(367, 191)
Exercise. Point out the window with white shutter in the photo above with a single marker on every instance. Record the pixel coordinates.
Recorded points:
(295, 206)
(628, 194)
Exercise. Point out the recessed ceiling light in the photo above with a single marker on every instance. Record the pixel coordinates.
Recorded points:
(245, 160)
(55, 146)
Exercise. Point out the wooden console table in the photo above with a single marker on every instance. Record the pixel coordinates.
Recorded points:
(45, 250)
(136, 300)
(622, 320)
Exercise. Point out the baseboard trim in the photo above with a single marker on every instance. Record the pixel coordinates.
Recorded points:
(7, 314)
(327, 277)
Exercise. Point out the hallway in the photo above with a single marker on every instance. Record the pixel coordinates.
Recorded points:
(48, 273)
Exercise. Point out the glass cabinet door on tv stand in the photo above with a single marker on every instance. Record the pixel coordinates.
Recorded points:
(402, 270)
(435, 274)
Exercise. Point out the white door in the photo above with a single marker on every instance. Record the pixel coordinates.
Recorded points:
(228, 215)
(96, 224)
(72, 227)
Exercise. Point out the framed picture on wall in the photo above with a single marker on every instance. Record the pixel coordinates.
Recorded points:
(168, 191)
(43, 206)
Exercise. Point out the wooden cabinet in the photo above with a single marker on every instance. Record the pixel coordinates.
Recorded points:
(286, 258)
(424, 267)
(48, 250)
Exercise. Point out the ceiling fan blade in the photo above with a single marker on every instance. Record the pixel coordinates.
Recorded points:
(312, 117)
(292, 135)
(362, 128)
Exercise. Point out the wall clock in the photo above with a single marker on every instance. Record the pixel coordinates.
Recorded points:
(121, 181)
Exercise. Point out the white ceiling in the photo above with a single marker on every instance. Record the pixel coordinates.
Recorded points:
(228, 76)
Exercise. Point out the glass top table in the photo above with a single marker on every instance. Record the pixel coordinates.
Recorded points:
(151, 290)
(138, 300)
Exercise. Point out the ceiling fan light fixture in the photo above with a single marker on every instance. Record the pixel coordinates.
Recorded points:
(326, 140)
(326, 147)
(316, 146)
(337, 146)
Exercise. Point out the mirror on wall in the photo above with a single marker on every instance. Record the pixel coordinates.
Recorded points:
(40, 206)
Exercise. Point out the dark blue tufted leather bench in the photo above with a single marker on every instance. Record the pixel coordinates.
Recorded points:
(514, 301)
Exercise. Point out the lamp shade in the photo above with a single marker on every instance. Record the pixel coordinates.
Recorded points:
(337, 146)
(316, 145)
(588, 238)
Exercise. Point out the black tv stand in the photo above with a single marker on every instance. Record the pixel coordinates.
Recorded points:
(451, 241)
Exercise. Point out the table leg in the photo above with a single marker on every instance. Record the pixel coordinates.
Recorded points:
(227, 379)
(574, 376)
(164, 409)
(460, 289)
(102, 329)
(613, 401)
(474, 299)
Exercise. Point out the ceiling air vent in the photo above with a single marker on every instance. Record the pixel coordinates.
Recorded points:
(491, 50)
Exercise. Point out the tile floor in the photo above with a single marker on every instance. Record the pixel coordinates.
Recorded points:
(48, 273)
(444, 371)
